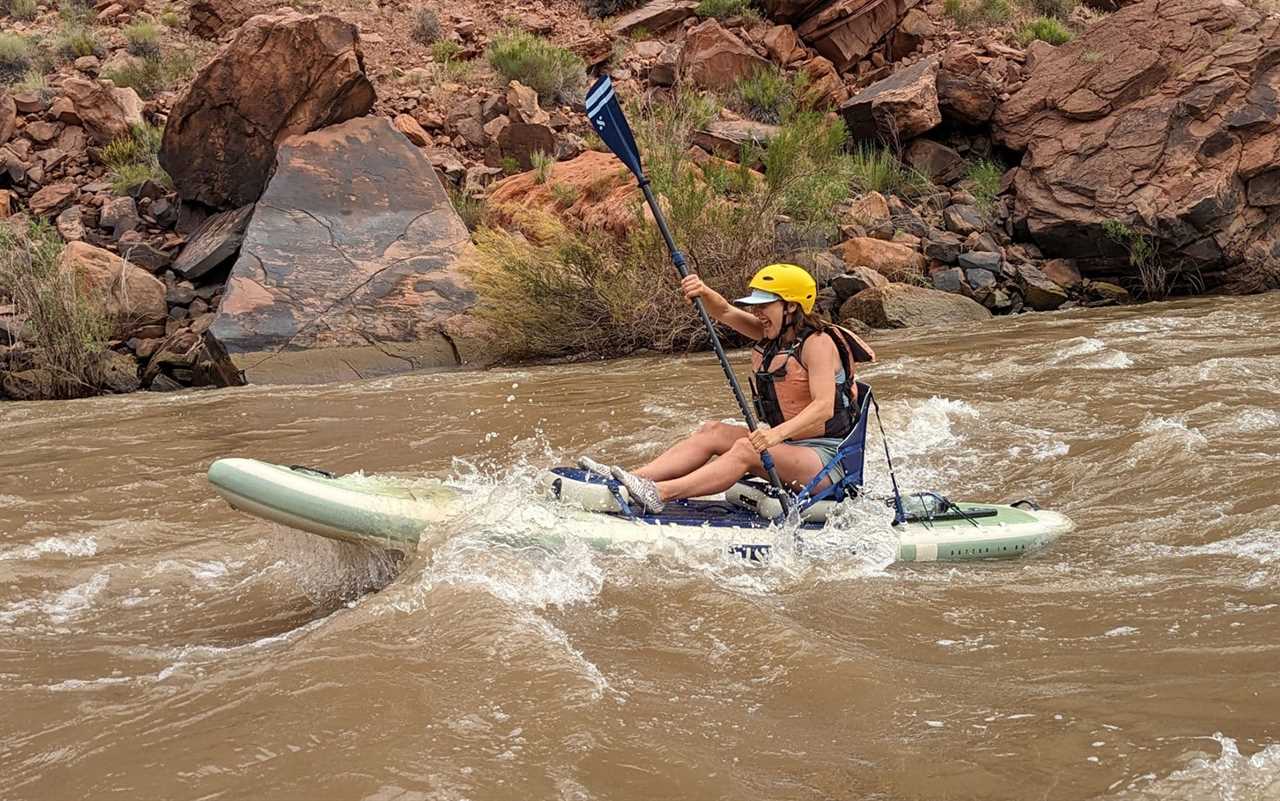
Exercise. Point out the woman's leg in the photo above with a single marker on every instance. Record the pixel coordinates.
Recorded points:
(796, 465)
(713, 439)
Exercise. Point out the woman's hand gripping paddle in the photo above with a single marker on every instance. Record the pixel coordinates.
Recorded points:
(606, 117)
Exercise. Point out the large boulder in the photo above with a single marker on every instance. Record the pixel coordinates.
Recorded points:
(654, 17)
(898, 108)
(966, 90)
(1162, 116)
(715, 58)
(217, 239)
(348, 268)
(129, 296)
(888, 258)
(906, 306)
(727, 138)
(604, 194)
(846, 31)
(282, 74)
(213, 19)
(106, 111)
(939, 163)
(8, 117)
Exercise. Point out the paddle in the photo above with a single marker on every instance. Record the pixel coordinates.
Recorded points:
(606, 115)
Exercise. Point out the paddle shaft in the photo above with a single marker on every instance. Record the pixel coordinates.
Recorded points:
(677, 258)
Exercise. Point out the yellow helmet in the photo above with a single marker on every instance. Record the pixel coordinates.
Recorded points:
(785, 282)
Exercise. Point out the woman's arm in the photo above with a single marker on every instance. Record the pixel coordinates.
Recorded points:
(822, 360)
(721, 310)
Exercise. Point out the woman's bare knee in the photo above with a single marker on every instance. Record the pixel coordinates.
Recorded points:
(742, 451)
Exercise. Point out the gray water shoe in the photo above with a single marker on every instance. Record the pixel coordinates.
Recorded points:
(592, 466)
(641, 489)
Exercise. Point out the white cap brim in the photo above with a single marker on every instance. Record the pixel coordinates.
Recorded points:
(757, 298)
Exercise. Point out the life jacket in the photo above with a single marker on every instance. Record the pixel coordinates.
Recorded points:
(780, 386)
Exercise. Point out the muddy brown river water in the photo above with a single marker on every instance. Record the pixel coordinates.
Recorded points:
(158, 645)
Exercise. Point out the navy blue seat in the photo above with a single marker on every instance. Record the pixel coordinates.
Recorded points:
(850, 456)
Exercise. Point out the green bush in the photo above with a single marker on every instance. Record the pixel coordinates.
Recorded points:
(724, 9)
(33, 81)
(565, 194)
(1058, 9)
(470, 209)
(76, 41)
(445, 50)
(542, 164)
(142, 38)
(1046, 29)
(64, 330)
(877, 169)
(554, 73)
(983, 182)
(609, 8)
(24, 10)
(15, 57)
(134, 159)
(170, 18)
(154, 74)
(76, 12)
(426, 26)
(768, 95)
(1144, 255)
(556, 291)
(970, 13)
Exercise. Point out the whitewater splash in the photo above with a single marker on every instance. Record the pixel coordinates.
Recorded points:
(1230, 776)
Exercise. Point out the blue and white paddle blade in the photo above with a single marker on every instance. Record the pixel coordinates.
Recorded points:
(606, 117)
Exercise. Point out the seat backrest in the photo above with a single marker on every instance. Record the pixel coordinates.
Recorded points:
(853, 448)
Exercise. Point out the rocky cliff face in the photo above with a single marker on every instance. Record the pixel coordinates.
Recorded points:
(1165, 116)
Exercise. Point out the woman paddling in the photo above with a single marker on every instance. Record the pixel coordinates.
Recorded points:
(803, 388)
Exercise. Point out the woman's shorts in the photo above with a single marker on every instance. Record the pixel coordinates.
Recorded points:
(826, 448)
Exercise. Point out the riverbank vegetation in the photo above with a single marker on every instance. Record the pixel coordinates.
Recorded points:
(556, 291)
(64, 333)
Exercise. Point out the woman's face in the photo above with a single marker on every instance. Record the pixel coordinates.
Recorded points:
(770, 316)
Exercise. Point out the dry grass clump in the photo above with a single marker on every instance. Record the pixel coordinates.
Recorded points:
(65, 331)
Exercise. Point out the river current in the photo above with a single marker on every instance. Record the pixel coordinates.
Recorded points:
(159, 645)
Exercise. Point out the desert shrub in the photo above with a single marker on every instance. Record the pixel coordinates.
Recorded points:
(724, 9)
(154, 74)
(1144, 256)
(565, 194)
(982, 179)
(15, 57)
(142, 38)
(33, 81)
(65, 331)
(768, 95)
(76, 41)
(170, 18)
(969, 13)
(76, 11)
(134, 159)
(878, 169)
(542, 164)
(1046, 29)
(445, 50)
(1058, 9)
(470, 208)
(24, 10)
(558, 291)
(426, 26)
(609, 8)
(553, 72)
